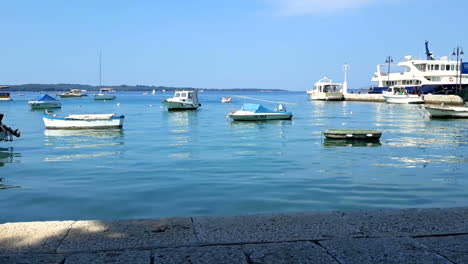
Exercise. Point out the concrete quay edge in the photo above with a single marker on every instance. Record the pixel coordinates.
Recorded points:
(432, 235)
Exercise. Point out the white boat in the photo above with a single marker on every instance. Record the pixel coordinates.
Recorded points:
(45, 101)
(256, 112)
(5, 96)
(326, 90)
(183, 100)
(85, 121)
(73, 93)
(153, 92)
(447, 111)
(429, 75)
(226, 100)
(399, 95)
(103, 94)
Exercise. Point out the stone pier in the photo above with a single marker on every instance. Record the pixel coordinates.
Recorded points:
(381, 236)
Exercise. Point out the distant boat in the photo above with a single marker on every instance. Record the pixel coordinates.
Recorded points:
(45, 101)
(73, 93)
(5, 96)
(183, 100)
(102, 95)
(226, 99)
(84, 121)
(154, 91)
(326, 90)
(256, 112)
(447, 111)
(399, 95)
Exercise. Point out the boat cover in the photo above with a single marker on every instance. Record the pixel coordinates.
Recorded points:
(45, 98)
(256, 108)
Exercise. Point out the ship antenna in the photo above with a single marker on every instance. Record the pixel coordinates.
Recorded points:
(429, 55)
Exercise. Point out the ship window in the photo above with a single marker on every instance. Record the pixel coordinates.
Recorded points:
(436, 78)
(432, 67)
(436, 67)
(442, 67)
(190, 95)
(452, 67)
(447, 67)
(184, 95)
(177, 95)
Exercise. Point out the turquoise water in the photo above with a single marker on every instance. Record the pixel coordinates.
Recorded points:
(198, 163)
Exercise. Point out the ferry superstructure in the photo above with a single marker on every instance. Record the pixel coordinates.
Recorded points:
(430, 75)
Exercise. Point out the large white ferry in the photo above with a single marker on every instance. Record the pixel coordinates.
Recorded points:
(430, 75)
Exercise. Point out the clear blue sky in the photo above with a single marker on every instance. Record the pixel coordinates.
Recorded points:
(284, 44)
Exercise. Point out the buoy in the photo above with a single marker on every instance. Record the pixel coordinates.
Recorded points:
(118, 104)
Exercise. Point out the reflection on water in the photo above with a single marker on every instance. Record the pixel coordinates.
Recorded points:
(330, 143)
(94, 133)
(97, 143)
(7, 155)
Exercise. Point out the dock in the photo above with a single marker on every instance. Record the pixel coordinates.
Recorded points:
(378, 236)
(428, 99)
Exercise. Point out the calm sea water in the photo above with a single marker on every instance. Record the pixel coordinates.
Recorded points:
(198, 163)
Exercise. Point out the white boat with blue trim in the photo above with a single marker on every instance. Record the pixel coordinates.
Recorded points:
(399, 95)
(256, 112)
(103, 94)
(447, 111)
(84, 121)
(45, 101)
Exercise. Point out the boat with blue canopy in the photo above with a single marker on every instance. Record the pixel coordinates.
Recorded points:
(257, 112)
(45, 101)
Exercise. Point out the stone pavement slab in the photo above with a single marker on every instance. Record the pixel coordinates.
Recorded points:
(271, 228)
(32, 259)
(117, 257)
(382, 250)
(454, 248)
(408, 222)
(32, 237)
(287, 253)
(128, 234)
(201, 255)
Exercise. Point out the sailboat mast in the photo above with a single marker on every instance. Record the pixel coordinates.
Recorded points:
(100, 84)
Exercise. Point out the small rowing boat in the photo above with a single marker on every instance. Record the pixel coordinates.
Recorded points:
(366, 134)
(84, 121)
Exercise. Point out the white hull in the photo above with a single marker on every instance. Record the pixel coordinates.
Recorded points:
(403, 99)
(104, 97)
(447, 112)
(250, 116)
(53, 123)
(325, 96)
(180, 105)
(44, 105)
(5, 98)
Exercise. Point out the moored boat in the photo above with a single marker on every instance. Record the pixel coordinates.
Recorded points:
(256, 112)
(6, 132)
(367, 134)
(73, 93)
(5, 95)
(326, 90)
(84, 121)
(447, 111)
(399, 95)
(103, 94)
(226, 100)
(183, 100)
(44, 101)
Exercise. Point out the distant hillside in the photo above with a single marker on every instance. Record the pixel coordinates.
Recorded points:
(67, 87)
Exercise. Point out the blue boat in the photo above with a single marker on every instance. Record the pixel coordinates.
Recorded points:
(256, 112)
(44, 101)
